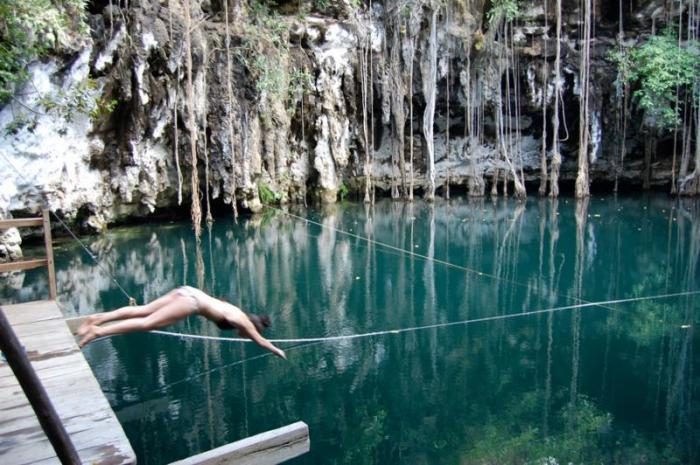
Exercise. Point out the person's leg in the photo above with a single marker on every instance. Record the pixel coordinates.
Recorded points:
(177, 309)
(136, 311)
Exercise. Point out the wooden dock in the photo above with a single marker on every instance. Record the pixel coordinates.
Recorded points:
(69, 382)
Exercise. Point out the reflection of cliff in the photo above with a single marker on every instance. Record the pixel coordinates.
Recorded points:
(550, 385)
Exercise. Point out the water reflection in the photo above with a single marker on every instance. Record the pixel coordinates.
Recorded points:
(613, 384)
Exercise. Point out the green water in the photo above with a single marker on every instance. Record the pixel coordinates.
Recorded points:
(618, 383)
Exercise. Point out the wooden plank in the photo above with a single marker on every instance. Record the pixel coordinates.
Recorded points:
(62, 394)
(95, 454)
(23, 265)
(49, 369)
(39, 399)
(49, 254)
(33, 311)
(75, 393)
(268, 448)
(20, 223)
(74, 323)
(30, 447)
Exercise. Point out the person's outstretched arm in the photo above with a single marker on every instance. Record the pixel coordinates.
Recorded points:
(248, 330)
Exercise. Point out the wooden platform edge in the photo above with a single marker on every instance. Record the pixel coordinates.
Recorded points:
(74, 323)
(268, 448)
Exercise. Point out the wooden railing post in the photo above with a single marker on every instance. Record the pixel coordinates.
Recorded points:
(49, 255)
(48, 262)
(36, 394)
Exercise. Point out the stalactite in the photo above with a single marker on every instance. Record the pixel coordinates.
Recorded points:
(205, 138)
(371, 103)
(505, 66)
(192, 123)
(397, 109)
(543, 152)
(582, 178)
(520, 191)
(210, 249)
(674, 188)
(365, 53)
(185, 264)
(175, 105)
(429, 75)
(447, 99)
(410, 113)
(229, 112)
(556, 155)
(689, 184)
(623, 105)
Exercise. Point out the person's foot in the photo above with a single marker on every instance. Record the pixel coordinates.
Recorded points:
(89, 333)
(85, 326)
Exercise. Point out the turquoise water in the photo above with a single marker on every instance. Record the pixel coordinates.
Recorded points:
(617, 383)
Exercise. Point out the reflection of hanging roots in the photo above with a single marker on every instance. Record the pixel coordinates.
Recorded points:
(438, 325)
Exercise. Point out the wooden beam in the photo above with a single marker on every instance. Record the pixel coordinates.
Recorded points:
(23, 265)
(21, 223)
(36, 394)
(268, 448)
(49, 254)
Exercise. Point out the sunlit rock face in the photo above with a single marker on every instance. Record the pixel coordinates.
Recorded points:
(311, 141)
(47, 164)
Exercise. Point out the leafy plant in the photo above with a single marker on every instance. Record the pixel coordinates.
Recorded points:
(31, 28)
(263, 50)
(506, 9)
(267, 195)
(343, 191)
(659, 68)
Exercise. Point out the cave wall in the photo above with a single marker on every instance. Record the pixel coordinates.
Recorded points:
(348, 121)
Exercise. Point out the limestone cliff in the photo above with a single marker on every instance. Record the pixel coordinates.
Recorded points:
(298, 100)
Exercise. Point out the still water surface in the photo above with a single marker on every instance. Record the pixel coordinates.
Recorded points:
(616, 383)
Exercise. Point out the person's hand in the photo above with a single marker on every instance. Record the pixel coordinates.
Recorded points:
(280, 353)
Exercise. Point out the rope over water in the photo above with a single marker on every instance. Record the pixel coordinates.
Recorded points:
(437, 325)
(582, 304)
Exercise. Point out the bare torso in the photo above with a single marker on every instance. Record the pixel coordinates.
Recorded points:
(215, 309)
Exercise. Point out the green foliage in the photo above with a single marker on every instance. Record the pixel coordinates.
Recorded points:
(31, 28)
(368, 434)
(343, 192)
(265, 49)
(65, 105)
(300, 82)
(267, 195)
(68, 103)
(506, 9)
(269, 77)
(659, 68)
(578, 434)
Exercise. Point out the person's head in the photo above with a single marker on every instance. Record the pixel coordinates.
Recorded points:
(259, 321)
